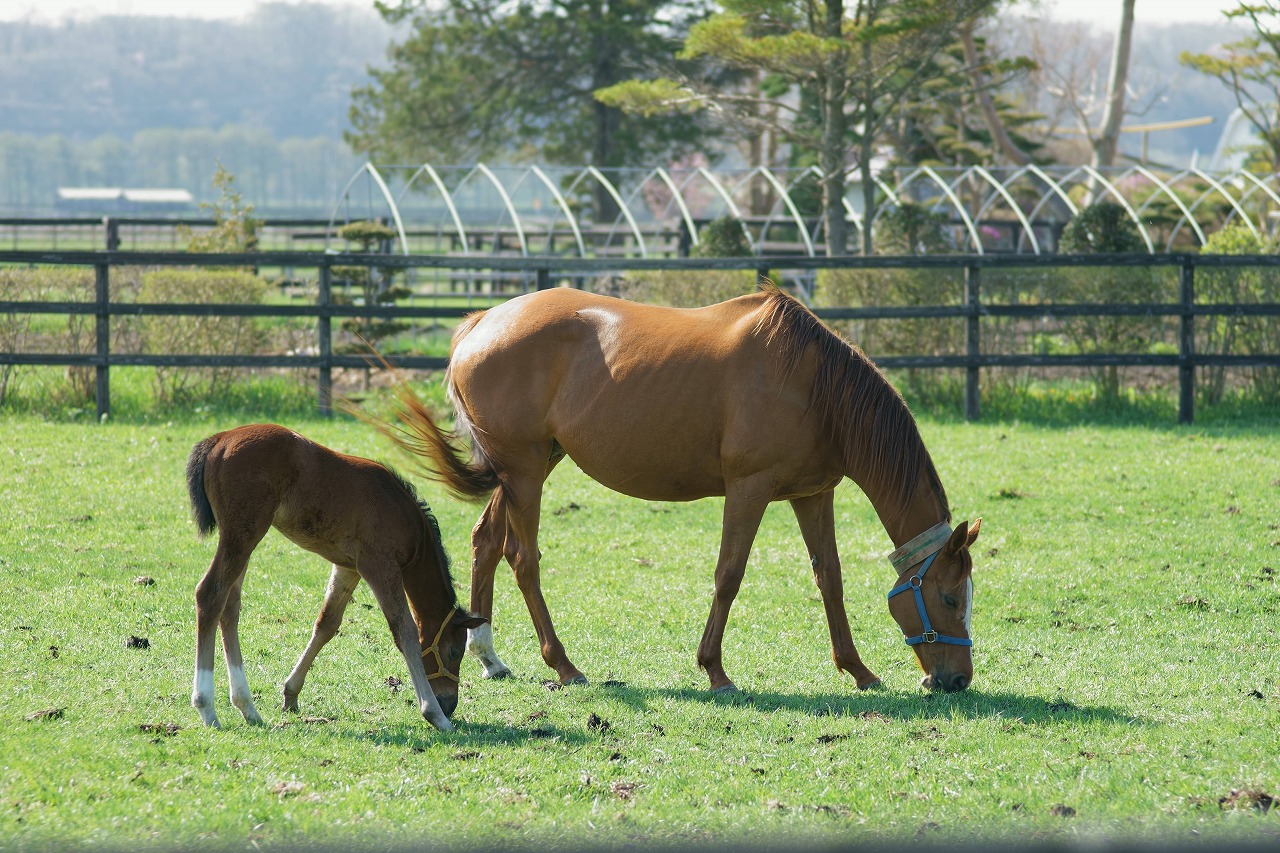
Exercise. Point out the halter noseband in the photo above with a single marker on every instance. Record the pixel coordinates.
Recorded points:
(434, 650)
(934, 539)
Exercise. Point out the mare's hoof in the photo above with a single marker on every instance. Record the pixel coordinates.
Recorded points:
(498, 675)
(577, 679)
(290, 704)
(870, 685)
(725, 689)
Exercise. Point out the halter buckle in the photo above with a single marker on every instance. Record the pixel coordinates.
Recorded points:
(916, 581)
(930, 636)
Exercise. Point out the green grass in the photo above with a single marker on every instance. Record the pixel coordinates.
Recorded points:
(1126, 631)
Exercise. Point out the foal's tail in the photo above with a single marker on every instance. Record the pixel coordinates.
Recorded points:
(201, 511)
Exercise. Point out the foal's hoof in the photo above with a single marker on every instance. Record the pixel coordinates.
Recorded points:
(498, 674)
(726, 689)
(870, 685)
(290, 703)
(577, 679)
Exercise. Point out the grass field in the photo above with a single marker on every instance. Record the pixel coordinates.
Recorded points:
(1126, 624)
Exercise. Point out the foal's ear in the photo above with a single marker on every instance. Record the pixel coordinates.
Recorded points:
(963, 536)
(470, 620)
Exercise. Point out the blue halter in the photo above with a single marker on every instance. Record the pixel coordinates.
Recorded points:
(928, 635)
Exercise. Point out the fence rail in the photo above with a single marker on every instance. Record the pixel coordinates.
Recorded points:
(544, 272)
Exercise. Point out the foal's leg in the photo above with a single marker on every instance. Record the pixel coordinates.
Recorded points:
(342, 583)
(387, 583)
(212, 594)
(241, 697)
(487, 540)
(744, 506)
(524, 503)
(816, 515)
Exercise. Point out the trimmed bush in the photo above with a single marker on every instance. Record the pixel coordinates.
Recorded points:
(195, 335)
(1239, 334)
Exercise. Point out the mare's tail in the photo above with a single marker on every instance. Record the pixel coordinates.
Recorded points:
(467, 475)
(201, 511)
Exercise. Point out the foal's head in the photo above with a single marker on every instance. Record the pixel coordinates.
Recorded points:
(442, 656)
(932, 602)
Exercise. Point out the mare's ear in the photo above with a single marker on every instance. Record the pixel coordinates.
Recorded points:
(470, 620)
(963, 536)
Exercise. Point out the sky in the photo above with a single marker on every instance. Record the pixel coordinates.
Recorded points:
(1103, 12)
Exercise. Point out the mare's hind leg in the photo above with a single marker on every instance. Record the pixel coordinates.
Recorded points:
(342, 583)
(387, 583)
(816, 516)
(524, 505)
(744, 507)
(241, 697)
(212, 594)
(487, 541)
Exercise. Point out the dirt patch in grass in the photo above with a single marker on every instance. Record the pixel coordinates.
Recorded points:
(1247, 799)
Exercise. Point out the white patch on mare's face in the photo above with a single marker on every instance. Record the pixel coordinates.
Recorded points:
(968, 605)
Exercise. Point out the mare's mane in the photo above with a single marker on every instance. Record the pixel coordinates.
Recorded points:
(431, 532)
(865, 414)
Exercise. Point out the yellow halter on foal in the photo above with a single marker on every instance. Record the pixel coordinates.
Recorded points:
(434, 650)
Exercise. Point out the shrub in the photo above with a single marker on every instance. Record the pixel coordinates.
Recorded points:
(1106, 227)
(198, 335)
(723, 238)
(909, 229)
(684, 288)
(1238, 334)
(23, 332)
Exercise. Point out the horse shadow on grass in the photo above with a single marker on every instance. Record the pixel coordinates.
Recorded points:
(418, 737)
(897, 705)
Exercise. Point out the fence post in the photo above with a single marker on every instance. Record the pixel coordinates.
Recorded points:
(972, 399)
(111, 231)
(324, 341)
(1187, 346)
(543, 278)
(102, 336)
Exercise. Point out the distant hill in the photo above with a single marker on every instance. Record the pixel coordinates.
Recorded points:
(287, 69)
(149, 102)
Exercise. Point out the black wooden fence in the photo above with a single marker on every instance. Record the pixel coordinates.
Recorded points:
(545, 271)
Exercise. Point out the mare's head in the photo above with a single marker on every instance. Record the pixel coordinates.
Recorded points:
(932, 602)
(442, 656)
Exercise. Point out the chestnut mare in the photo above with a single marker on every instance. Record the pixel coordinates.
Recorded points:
(753, 399)
(355, 513)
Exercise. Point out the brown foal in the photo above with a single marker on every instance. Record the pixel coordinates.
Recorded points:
(355, 513)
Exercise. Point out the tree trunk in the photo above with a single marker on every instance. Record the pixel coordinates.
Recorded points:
(831, 158)
(605, 119)
(1003, 142)
(1106, 144)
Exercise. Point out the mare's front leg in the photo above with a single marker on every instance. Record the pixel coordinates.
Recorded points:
(523, 502)
(386, 581)
(488, 538)
(744, 506)
(816, 516)
(342, 583)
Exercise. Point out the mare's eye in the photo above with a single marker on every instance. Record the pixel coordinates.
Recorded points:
(949, 600)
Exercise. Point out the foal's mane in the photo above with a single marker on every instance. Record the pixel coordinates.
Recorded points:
(853, 399)
(431, 532)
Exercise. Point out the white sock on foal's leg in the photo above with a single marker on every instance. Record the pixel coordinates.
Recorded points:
(240, 695)
(202, 697)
